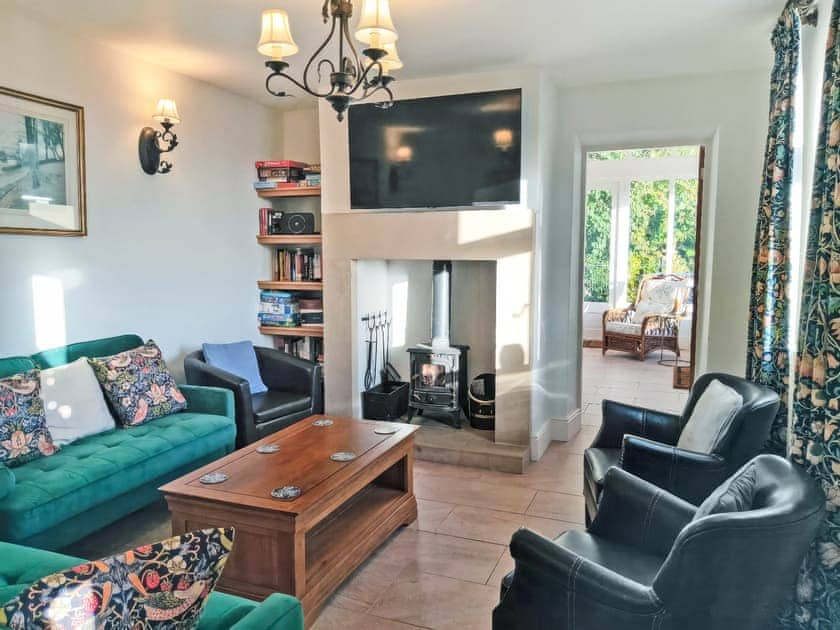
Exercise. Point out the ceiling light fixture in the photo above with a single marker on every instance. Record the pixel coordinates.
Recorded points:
(350, 78)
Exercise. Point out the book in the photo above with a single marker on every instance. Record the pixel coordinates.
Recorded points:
(298, 265)
(279, 174)
(265, 220)
(279, 164)
(265, 185)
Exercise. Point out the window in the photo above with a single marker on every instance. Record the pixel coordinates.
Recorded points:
(596, 269)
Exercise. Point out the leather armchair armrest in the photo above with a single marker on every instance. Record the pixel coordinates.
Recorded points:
(620, 419)
(690, 476)
(276, 611)
(635, 512)
(284, 372)
(546, 573)
(213, 400)
(200, 373)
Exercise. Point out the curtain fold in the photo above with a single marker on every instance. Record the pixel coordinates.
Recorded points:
(768, 359)
(816, 424)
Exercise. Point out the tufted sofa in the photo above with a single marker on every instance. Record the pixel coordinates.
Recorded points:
(23, 565)
(54, 501)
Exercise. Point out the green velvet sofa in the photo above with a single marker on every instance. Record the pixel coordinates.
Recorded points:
(20, 566)
(54, 501)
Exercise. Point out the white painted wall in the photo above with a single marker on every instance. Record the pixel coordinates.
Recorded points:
(170, 257)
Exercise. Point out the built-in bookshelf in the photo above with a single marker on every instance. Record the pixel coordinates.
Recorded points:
(311, 336)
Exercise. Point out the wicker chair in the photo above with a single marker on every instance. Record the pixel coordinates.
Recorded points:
(652, 322)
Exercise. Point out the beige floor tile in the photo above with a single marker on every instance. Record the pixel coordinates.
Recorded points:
(473, 492)
(334, 617)
(437, 602)
(505, 566)
(430, 514)
(496, 527)
(422, 467)
(563, 507)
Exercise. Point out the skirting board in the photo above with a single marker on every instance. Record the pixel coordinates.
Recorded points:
(556, 429)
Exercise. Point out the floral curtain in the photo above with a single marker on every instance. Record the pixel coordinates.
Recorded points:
(767, 353)
(816, 426)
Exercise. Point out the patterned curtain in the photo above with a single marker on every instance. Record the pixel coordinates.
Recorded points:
(767, 354)
(816, 427)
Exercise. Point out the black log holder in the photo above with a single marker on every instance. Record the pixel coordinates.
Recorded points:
(385, 401)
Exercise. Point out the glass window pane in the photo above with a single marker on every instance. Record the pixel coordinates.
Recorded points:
(596, 264)
(648, 231)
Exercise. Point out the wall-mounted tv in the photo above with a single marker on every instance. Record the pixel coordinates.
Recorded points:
(441, 152)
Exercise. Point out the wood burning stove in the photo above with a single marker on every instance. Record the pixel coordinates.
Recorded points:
(438, 371)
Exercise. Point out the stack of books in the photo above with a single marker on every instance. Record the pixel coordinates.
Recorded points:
(285, 174)
(278, 308)
(311, 312)
(299, 265)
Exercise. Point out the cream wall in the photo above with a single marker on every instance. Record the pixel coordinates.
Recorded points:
(297, 136)
(170, 257)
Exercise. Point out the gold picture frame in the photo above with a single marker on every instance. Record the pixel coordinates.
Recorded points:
(42, 166)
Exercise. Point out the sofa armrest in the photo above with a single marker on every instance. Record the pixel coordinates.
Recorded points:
(620, 419)
(7, 481)
(284, 372)
(276, 612)
(637, 513)
(211, 400)
(690, 476)
(548, 579)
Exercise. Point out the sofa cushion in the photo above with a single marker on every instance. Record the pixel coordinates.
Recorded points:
(224, 610)
(97, 468)
(711, 418)
(7, 481)
(138, 384)
(626, 560)
(276, 404)
(15, 365)
(73, 401)
(624, 328)
(237, 358)
(24, 435)
(162, 585)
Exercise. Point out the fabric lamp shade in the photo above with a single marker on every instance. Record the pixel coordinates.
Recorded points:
(276, 37)
(375, 25)
(391, 61)
(166, 111)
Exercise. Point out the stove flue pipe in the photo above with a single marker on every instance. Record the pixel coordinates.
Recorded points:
(441, 302)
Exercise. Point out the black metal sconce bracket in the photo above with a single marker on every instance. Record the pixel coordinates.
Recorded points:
(150, 148)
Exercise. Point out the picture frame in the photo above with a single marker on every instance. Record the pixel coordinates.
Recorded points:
(42, 166)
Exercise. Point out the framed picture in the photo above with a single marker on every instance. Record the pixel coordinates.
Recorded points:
(42, 166)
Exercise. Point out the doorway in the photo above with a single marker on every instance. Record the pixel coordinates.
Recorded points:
(641, 259)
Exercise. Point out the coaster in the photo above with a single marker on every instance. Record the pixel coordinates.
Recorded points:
(343, 456)
(213, 477)
(265, 449)
(286, 493)
(386, 429)
(323, 422)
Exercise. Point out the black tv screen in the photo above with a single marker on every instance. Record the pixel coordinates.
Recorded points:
(446, 151)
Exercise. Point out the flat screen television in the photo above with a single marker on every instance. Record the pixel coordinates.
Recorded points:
(440, 152)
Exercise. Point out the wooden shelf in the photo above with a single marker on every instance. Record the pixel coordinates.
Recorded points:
(303, 191)
(300, 331)
(280, 285)
(290, 239)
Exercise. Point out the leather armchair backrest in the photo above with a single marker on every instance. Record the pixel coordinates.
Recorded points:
(750, 427)
(740, 557)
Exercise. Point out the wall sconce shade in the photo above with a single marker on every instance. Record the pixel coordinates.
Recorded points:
(149, 145)
(276, 36)
(375, 26)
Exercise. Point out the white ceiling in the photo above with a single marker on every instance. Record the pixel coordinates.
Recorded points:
(579, 41)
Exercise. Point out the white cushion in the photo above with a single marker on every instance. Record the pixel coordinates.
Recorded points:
(645, 308)
(711, 418)
(73, 401)
(624, 328)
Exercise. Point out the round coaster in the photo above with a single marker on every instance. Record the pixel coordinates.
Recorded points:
(323, 422)
(343, 456)
(265, 449)
(386, 429)
(286, 493)
(213, 477)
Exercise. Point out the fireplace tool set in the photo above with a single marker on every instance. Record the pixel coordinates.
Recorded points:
(387, 399)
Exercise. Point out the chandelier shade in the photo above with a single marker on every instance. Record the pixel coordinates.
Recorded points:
(375, 25)
(276, 36)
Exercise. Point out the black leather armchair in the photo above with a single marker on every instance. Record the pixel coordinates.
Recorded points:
(651, 561)
(643, 442)
(294, 392)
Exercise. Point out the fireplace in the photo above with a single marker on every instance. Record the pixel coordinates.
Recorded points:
(438, 371)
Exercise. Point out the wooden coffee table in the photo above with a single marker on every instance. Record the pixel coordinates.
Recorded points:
(306, 546)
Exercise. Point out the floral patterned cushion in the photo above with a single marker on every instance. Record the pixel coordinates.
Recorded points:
(138, 384)
(24, 435)
(162, 586)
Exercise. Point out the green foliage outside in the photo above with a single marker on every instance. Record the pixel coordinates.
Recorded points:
(596, 265)
(685, 224)
(648, 231)
(661, 152)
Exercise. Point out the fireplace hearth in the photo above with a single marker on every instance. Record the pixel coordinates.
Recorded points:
(438, 371)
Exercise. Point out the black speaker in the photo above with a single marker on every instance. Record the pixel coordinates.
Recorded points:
(292, 223)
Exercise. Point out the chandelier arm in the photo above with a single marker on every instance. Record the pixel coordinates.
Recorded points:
(363, 79)
(322, 62)
(292, 80)
(312, 59)
(346, 30)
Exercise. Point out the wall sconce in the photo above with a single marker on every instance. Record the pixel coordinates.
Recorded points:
(150, 147)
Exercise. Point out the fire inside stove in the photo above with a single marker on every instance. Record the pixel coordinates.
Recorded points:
(433, 375)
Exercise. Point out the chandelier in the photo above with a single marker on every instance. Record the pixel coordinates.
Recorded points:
(351, 77)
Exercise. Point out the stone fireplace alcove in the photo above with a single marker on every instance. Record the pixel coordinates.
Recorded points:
(357, 245)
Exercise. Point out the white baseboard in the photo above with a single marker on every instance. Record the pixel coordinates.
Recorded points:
(556, 429)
